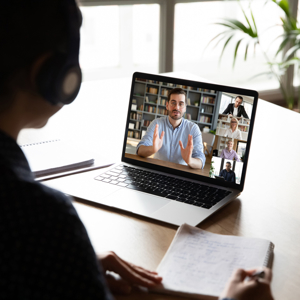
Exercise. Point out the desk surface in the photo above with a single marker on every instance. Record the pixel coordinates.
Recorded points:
(268, 207)
(203, 172)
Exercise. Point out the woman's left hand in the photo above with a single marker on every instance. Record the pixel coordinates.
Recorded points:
(130, 274)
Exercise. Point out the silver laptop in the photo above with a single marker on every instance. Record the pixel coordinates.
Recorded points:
(181, 161)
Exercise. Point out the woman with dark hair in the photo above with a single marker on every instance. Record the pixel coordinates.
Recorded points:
(45, 252)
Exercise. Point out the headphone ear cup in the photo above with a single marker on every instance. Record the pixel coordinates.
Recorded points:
(58, 81)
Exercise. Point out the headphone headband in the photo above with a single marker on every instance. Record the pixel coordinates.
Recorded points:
(60, 77)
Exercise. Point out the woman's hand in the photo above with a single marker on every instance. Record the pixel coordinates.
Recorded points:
(130, 274)
(240, 289)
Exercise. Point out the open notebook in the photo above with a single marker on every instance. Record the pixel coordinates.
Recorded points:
(56, 156)
(198, 263)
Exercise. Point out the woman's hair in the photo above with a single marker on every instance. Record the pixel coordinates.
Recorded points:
(28, 29)
(237, 122)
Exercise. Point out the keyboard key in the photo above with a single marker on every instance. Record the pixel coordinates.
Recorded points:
(105, 175)
(172, 197)
(121, 179)
(99, 178)
(116, 171)
(114, 182)
(122, 184)
(110, 173)
(114, 177)
(199, 204)
(106, 180)
(180, 199)
(122, 176)
(189, 201)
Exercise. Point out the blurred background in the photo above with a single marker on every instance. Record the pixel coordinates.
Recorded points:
(121, 37)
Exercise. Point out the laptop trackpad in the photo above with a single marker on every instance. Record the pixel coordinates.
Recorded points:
(137, 202)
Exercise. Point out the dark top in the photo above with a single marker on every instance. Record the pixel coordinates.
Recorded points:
(241, 111)
(228, 176)
(45, 252)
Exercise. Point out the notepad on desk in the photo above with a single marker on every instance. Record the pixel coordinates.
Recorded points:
(56, 156)
(198, 263)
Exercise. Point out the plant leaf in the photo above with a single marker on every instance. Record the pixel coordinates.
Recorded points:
(254, 22)
(224, 32)
(291, 52)
(246, 52)
(235, 51)
(282, 45)
(225, 45)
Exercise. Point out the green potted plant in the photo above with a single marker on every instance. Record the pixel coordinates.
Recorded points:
(288, 47)
(212, 169)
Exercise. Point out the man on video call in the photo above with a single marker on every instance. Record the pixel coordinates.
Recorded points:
(227, 173)
(236, 109)
(173, 138)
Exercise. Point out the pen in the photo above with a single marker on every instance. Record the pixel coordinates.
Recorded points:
(257, 274)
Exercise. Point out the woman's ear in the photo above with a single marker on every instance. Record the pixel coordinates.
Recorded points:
(35, 68)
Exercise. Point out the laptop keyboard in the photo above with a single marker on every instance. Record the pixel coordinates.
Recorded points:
(169, 187)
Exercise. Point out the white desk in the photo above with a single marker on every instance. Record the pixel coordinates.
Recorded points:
(268, 208)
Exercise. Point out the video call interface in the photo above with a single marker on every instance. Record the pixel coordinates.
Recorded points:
(188, 128)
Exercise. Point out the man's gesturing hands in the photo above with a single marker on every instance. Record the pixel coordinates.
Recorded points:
(157, 141)
(186, 152)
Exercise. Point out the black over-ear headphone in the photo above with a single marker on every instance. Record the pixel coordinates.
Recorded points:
(59, 79)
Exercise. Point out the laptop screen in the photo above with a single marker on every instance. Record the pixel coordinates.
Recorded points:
(193, 129)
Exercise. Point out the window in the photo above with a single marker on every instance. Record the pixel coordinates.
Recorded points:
(194, 28)
(118, 40)
(172, 35)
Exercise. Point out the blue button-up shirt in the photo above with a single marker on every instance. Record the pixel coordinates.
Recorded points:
(170, 150)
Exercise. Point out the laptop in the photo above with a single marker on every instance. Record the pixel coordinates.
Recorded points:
(163, 185)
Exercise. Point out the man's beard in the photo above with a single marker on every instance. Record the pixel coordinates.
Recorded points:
(174, 117)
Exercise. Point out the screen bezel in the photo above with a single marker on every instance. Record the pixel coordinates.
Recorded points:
(198, 84)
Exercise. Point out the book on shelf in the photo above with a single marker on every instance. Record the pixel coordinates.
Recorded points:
(164, 92)
(130, 133)
(146, 123)
(135, 116)
(198, 263)
(151, 109)
(209, 109)
(163, 101)
(204, 119)
(152, 90)
(146, 99)
(133, 106)
(188, 116)
(188, 100)
(208, 100)
(144, 132)
(162, 111)
(140, 107)
(141, 79)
